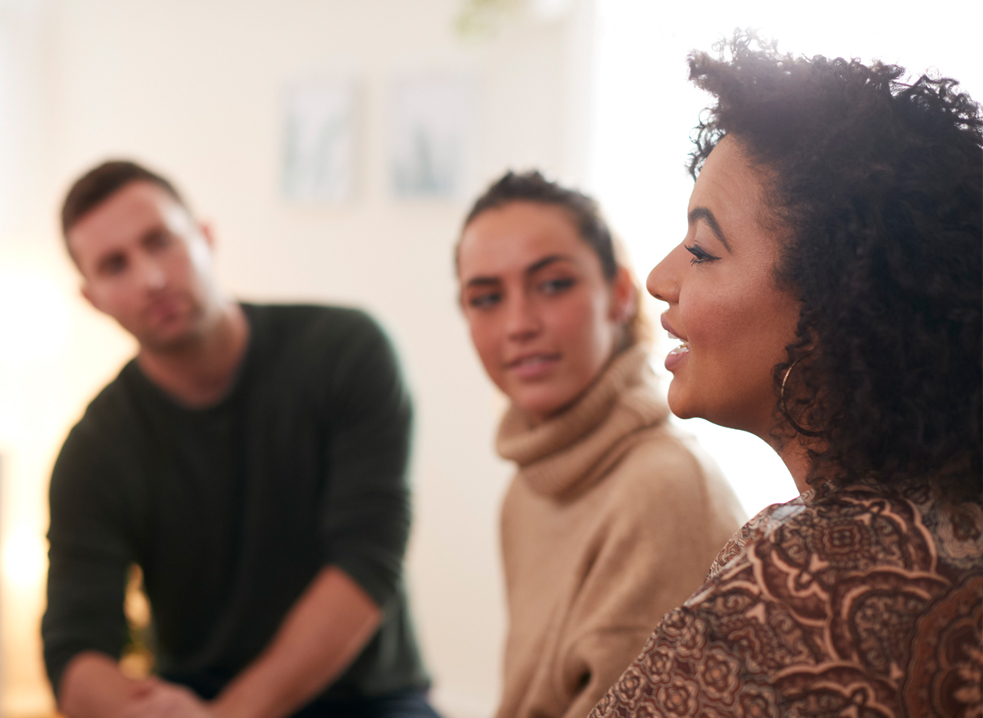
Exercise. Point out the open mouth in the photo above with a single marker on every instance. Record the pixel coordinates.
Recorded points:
(683, 344)
(677, 355)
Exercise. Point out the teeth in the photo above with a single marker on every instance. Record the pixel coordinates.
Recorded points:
(682, 344)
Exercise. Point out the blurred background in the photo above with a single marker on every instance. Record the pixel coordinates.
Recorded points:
(334, 146)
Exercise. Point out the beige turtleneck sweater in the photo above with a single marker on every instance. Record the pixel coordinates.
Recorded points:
(612, 520)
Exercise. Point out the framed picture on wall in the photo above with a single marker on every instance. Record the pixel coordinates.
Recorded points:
(319, 140)
(431, 136)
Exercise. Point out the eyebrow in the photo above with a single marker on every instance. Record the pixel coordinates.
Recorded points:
(531, 269)
(482, 281)
(550, 259)
(706, 215)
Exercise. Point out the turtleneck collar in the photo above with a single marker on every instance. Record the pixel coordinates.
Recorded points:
(569, 451)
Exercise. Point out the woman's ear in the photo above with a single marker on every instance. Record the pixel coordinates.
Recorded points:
(624, 297)
(208, 233)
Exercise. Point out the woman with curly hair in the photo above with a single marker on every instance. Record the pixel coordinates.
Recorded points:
(828, 296)
(612, 518)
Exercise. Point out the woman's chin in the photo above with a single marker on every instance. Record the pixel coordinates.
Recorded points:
(541, 406)
(537, 408)
(679, 403)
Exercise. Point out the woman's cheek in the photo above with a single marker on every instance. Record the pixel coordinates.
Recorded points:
(704, 321)
(588, 333)
(488, 348)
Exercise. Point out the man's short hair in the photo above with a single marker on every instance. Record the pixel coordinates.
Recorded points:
(100, 183)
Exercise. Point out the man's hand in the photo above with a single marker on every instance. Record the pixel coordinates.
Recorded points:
(321, 635)
(93, 687)
(157, 699)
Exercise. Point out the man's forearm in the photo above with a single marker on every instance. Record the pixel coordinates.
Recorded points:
(92, 686)
(322, 634)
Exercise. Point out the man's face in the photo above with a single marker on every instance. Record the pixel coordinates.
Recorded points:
(146, 263)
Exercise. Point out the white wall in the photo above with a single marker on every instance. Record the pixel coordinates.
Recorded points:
(192, 87)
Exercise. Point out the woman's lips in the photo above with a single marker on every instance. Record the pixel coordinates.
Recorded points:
(533, 366)
(677, 355)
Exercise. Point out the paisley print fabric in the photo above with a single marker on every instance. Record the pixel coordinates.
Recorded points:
(847, 602)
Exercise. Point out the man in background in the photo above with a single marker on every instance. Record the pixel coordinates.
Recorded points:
(252, 461)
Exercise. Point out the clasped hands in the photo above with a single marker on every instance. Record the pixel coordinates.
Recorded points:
(154, 698)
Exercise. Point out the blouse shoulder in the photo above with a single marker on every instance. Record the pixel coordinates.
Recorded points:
(849, 599)
(765, 521)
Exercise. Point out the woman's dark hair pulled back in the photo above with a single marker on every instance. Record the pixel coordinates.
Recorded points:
(532, 186)
(875, 188)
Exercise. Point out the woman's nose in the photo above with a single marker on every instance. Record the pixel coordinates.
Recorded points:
(663, 281)
(522, 321)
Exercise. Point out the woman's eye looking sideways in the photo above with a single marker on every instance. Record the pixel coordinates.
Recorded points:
(483, 301)
(700, 255)
(555, 286)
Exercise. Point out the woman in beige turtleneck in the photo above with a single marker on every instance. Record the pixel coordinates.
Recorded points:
(613, 518)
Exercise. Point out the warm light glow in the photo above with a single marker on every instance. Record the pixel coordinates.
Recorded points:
(8, 423)
(23, 558)
(35, 411)
(34, 321)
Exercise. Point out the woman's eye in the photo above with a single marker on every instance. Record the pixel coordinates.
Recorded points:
(555, 286)
(484, 301)
(700, 255)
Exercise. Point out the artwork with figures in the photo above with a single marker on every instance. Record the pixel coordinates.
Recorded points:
(319, 141)
(430, 136)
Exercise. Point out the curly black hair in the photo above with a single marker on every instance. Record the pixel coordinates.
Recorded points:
(876, 183)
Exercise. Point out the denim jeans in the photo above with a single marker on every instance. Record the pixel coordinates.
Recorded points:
(409, 703)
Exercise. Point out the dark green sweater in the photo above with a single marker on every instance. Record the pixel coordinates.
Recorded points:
(231, 510)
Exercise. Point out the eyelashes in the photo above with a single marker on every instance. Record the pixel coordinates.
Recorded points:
(700, 255)
(484, 301)
(556, 286)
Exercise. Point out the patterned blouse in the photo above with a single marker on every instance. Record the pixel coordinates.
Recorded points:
(845, 602)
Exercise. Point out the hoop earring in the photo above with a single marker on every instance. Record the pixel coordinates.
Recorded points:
(781, 393)
(783, 405)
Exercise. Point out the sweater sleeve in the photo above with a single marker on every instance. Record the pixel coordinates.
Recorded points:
(365, 515)
(661, 539)
(88, 560)
(597, 658)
